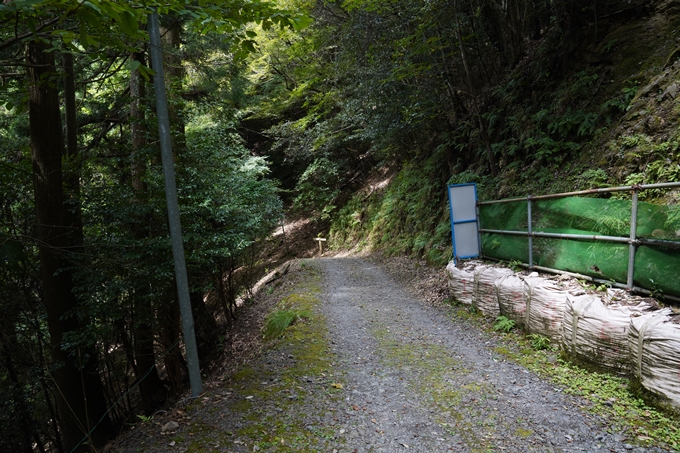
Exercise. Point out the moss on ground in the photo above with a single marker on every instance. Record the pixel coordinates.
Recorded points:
(432, 375)
(268, 399)
(612, 397)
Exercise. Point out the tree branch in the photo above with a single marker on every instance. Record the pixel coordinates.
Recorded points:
(18, 38)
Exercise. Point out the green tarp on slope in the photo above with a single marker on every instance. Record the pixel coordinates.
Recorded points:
(656, 268)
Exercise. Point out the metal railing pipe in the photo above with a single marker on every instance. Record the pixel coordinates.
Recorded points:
(531, 239)
(659, 243)
(559, 235)
(663, 185)
(633, 242)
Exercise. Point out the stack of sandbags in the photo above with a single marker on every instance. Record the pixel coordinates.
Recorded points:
(485, 295)
(512, 301)
(598, 334)
(461, 282)
(654, 342)
(545, 302)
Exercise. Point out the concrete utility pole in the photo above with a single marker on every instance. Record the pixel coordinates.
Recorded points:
(156, 51)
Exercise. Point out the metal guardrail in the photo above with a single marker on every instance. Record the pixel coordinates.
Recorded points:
(633, 241)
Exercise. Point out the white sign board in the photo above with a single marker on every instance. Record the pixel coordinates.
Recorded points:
(464, 224)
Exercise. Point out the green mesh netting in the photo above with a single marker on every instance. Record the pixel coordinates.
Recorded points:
(657, 268)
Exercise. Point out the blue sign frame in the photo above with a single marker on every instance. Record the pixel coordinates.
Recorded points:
(464, 221)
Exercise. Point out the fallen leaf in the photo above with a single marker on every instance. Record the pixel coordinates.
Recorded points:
(337, 385)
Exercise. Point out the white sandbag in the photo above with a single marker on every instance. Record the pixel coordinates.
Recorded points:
(654, 344)
(598, 334)
(511, 291)
(461, 283)
(485, 296)
(545, 307)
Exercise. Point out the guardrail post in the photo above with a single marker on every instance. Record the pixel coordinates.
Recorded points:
(479, 225)
(632, 242)
(529, 231)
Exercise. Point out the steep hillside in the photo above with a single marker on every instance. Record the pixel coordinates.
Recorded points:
(572, 115)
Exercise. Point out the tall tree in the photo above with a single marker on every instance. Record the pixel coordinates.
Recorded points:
(80, 406)
(151, 388)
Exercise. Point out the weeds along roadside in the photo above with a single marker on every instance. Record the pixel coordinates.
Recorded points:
(295, 329)
(271, 398)
(618, 400)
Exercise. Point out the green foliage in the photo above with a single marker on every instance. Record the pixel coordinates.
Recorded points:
(124, 271)
(538, 342)
(593, 178)
(620, 103)
(408, 216)
(655, 161)
(503, 324)
(278, 321)
(317, 188)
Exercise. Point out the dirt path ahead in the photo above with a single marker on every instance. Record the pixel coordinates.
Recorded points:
(436, 384)
(374, 368)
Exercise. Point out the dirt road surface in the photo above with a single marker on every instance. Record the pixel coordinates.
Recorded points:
(374, 368)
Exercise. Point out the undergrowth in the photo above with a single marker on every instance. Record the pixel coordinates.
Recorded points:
(410, 216)
(617, 399)
(504, 324)
(280, 320)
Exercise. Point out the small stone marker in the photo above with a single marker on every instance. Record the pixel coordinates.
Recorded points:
(320, 241)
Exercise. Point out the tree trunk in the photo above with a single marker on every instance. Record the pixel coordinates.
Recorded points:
(151, 387)
(174, 75)
(81, 400)
(170, 336)
(473, 94)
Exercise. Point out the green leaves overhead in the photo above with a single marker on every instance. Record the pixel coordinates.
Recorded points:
(117, 24)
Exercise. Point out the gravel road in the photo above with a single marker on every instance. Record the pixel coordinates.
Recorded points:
(376, 369)
(448, 391)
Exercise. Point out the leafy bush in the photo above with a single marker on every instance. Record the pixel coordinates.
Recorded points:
(539, 342)
(503, 324)
(317, 187)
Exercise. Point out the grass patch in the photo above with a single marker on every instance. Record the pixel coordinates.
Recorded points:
(274, 421)
(433, 372)
(613, 397)
(280, 320)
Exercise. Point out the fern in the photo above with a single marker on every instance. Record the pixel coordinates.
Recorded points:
(504, 324)
(539, 342)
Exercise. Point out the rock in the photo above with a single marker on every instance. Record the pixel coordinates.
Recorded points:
(170, 426)
(671, 91)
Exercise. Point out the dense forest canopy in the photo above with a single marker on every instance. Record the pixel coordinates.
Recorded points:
(288, 102)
